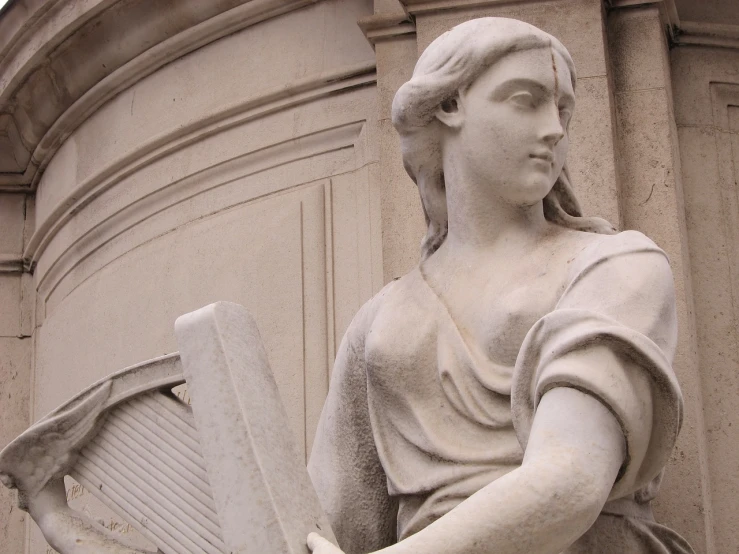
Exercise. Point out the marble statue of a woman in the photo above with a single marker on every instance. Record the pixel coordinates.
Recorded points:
(514, 392)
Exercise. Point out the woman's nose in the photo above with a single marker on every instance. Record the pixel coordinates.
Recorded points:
(552, 130)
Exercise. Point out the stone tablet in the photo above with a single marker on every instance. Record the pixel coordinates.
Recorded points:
(264, 497)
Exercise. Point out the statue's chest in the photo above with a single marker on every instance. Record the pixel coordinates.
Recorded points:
(490, 319)
(500, 319)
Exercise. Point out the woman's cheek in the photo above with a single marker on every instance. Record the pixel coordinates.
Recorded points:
(562, 148)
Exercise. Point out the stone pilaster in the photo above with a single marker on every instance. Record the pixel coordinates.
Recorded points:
(15, 356)
(652, 202)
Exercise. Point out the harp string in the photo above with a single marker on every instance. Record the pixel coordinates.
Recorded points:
(142, 477)
(118, 505)
(174, 449)
(146, 465)
(179, 430)
(163, 432)
(147, 518)
(182, 480)
(181, 412)
(176, 480)
(156, 506)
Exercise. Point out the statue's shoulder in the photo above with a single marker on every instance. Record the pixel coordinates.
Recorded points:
(624, 243)
(631, 239)
(596, 248)
(400, 292)
(622, 256)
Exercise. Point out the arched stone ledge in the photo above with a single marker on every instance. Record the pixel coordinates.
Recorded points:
(284, 97)
(44, 100)
(297, 162)
(708, 34)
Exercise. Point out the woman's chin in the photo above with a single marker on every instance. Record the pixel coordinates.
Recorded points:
(532, 190)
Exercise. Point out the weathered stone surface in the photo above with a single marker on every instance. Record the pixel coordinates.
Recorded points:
(15, 394)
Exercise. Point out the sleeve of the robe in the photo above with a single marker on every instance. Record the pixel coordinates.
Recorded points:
(344, 465)
(612, 335)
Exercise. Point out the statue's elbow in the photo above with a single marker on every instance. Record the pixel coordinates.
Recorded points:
(577, 490)
(587, 491)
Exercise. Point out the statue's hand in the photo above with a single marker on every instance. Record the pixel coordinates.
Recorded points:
(318, 545)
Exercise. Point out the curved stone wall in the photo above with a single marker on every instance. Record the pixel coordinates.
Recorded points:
(239, 171)
(189, 187)
(60, 60)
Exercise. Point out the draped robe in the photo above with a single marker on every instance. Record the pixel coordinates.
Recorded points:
(420, 416)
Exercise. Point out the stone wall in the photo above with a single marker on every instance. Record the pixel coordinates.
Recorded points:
(706, 92)
(15, 352)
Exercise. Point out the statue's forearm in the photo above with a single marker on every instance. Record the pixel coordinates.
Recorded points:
(546, 504)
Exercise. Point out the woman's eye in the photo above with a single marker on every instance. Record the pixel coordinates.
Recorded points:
(523, 99)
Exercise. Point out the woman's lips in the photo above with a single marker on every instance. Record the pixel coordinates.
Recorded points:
(544, 155)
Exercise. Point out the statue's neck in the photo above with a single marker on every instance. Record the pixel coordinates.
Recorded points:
(478, 218)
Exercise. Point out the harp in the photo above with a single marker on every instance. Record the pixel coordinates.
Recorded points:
(219, 476)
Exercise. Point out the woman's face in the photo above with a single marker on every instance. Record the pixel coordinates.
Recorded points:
(513, 126)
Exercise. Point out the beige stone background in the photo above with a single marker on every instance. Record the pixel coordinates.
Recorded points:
(158, 155)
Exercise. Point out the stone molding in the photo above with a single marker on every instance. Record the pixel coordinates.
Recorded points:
(725, 96)
(383, 26)
(281, 98)
(686, 33)
(667, 8)
(38, 59)
(10, 264)
(415, 7)
(380, 27)
(107, 238)
(418, 7)
(692, 33)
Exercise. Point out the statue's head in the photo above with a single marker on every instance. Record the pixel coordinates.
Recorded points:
(505, 91)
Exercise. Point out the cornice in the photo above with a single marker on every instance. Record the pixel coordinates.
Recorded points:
(421, 7)
(667, 10)
(691, 33)
(418, 7)
(281, 98)
(386, 26)
(10, 264)
(49, 86)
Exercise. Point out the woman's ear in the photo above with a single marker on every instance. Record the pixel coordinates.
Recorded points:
(451, 112)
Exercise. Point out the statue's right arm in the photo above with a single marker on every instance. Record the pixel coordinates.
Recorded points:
(344, 464)
(575, 450)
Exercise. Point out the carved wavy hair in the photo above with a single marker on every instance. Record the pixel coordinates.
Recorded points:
(449, 64)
